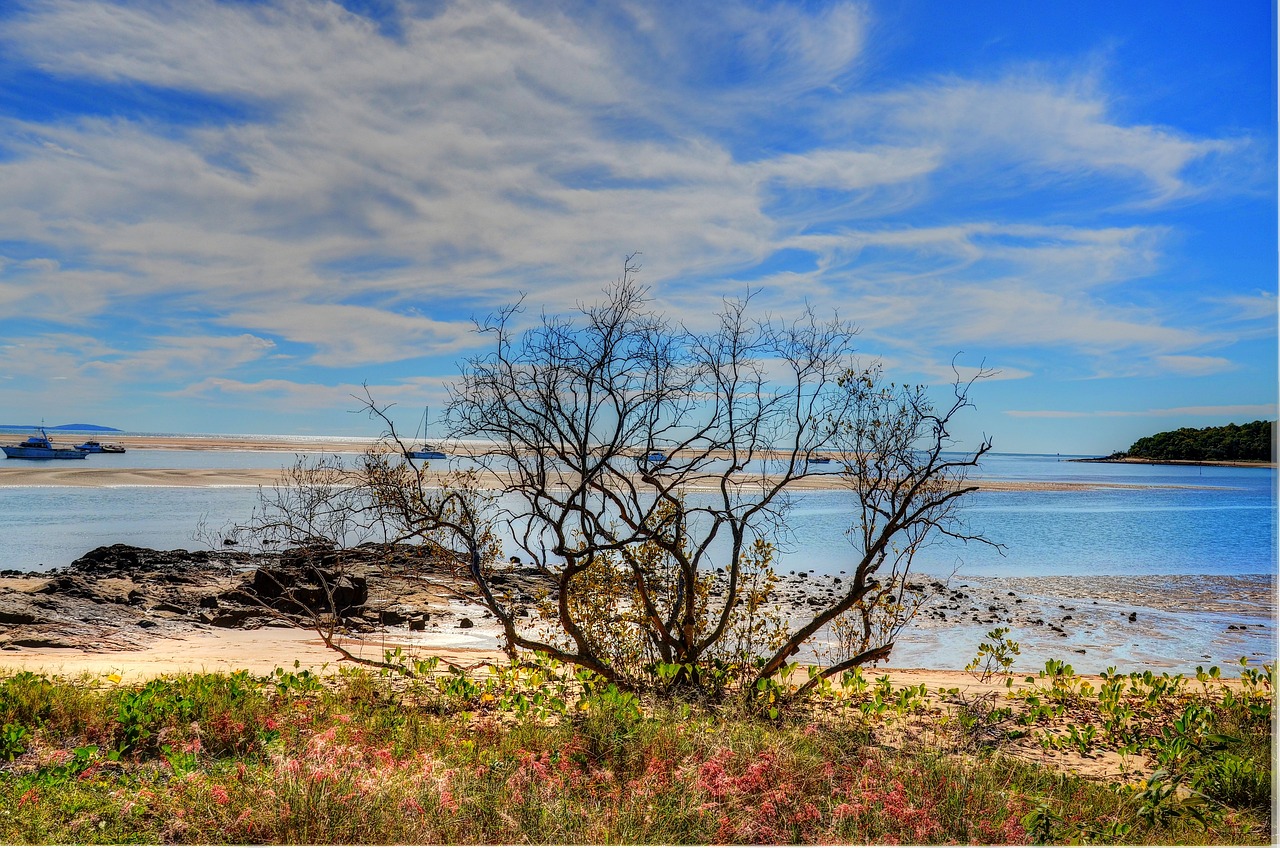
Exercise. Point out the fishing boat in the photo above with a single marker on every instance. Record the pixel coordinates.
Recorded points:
(819, 460)
(94, 446)
(39, 447)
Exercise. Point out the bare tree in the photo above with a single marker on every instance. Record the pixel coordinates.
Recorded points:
(644, 470)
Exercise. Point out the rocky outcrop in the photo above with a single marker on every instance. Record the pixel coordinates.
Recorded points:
(120, 596)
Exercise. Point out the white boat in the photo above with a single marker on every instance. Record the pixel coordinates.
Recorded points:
(39, 447)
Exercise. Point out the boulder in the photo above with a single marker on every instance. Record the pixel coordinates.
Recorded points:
(308, 590)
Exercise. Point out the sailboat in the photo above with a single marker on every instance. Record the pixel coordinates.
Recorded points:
(425, 450)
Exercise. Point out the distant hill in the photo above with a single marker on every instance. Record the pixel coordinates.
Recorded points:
(95, 428)
(1233, 443)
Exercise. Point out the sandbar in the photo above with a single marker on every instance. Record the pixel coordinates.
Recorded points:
(61, 474)
(101, 473)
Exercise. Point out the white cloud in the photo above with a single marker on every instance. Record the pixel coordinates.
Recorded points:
(1251, 411)
(344, 335)
(492, 148)
(1053, 130)
(404, 400)
(1195, 366)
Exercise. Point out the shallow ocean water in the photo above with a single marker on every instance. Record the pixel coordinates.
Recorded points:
(1218, 524)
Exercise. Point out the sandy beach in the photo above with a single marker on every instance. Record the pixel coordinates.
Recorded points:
(261, 651)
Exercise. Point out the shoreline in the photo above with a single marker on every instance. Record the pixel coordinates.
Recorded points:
(147, 612)
(17, 473)
(68, 473)
(260, 656)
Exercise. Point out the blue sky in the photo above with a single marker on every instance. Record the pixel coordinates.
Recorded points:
(228, 216)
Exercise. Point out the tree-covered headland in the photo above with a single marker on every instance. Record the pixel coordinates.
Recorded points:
(1233, 443)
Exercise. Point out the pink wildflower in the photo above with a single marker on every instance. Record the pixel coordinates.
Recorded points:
(220, 795)
(844, 811)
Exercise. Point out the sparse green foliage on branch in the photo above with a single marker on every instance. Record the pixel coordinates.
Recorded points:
(644, 470)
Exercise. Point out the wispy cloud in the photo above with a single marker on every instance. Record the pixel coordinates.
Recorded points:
(1248, 410)
(352, 190)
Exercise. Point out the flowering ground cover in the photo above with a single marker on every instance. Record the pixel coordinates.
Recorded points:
(540, 754)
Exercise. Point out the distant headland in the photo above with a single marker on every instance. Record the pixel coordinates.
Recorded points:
(81, 428)
(1235, 444)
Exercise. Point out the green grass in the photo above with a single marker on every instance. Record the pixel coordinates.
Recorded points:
(521, 755)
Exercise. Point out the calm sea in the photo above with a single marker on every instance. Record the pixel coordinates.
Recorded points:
(1214, 523)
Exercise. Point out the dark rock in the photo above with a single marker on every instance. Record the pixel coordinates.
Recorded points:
(177, 579)
(208, 602)
(232, 618)
(466, 622)
(66, 584)
(146, 623)
(390, 617)
(309, 589)
(40, 642)
(17, 618)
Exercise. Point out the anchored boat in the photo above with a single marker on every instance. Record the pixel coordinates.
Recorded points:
(425, 450)
(39, 447)
(93, 446)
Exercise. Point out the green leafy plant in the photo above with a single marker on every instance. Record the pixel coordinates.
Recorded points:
(13, 740)
(995, 657)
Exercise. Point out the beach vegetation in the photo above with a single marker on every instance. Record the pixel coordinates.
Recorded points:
(550, 753)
